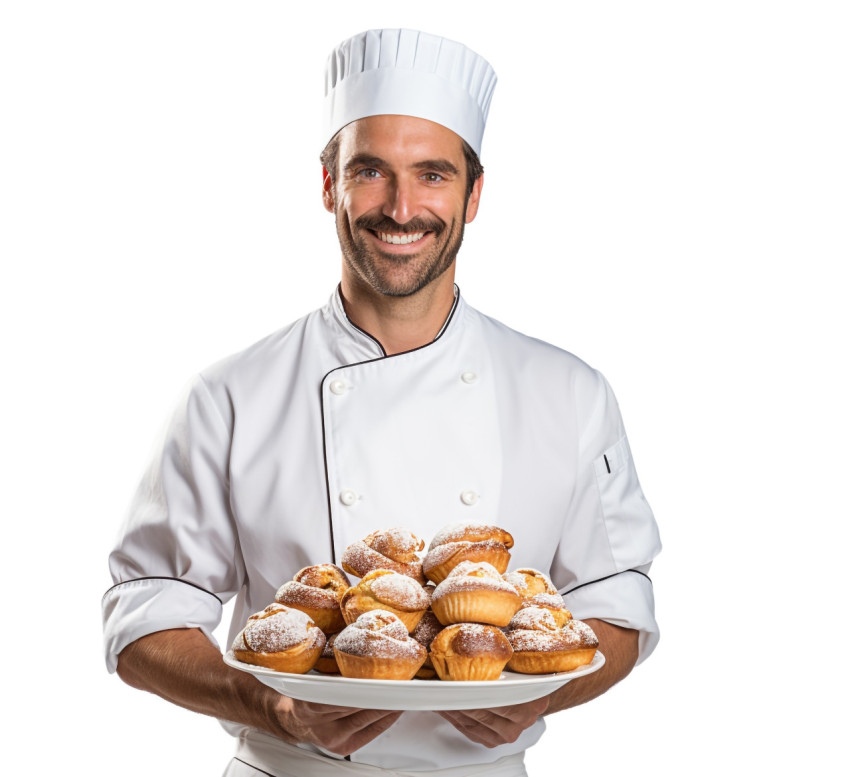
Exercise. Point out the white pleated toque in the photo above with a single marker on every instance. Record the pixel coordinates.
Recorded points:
(408, 73)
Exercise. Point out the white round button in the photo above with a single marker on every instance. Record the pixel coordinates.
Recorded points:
(469, 376)
(338, 386)
(469, 497)
(348, 497)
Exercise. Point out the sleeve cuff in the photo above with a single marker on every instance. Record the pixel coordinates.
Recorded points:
(139, 607)
(626, 600)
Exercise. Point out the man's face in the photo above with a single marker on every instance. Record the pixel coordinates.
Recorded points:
(400, 202)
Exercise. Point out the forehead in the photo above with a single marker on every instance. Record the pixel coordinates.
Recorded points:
(400, 140)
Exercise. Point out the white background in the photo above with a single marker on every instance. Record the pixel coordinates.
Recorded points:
(666, 196)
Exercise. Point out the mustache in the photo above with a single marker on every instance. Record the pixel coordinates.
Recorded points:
(386, 224)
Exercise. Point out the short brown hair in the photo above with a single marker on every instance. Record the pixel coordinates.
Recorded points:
(474, 169)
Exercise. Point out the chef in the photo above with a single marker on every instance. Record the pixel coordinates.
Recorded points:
(395, 404)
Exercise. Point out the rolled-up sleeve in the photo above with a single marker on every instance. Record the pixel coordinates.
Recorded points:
(177, 558)
(610, 534)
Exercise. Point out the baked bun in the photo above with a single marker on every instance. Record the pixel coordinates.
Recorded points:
(394, 549)
(327, 661)
(377, 647)
(554, 603)
(475, 592)
(470, 651)
(530, 582)
(541, 646)
(280, 638)
(317, 590)
(466, 542)
(382, 589)
(424, 634)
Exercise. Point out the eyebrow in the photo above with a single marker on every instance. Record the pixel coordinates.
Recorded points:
(367, 160)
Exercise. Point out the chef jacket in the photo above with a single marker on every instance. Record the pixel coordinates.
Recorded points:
(286, 453)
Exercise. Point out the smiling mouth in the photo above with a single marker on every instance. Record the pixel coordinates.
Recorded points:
(399, 239)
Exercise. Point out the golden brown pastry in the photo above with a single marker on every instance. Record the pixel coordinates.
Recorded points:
(474, 592)
(327, 661)
(280, 638)
(541, 646)
(466, 542)
(377, 646)
(424, 634)
(382, 589)
(470, 651)
(394, 549)
(317, 590)
(530, 582)
(554, 603)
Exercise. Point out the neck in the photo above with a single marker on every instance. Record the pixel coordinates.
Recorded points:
(400, 323)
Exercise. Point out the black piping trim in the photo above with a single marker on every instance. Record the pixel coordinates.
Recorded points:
(358, 364)
(251, 766)
(607, 465)
(374, 339)
(608, 577)
(162, 577)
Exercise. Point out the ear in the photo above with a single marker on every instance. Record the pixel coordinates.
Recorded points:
(474, 198)
(327, 191)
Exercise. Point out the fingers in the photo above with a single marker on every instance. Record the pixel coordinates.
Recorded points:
(341, 730)
(498, 726)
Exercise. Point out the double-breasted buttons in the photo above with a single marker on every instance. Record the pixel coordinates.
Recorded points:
(338, 386)
(469, 376)
(469, 497)
(348, 497)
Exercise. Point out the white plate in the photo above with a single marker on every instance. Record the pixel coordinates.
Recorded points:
(510, 688)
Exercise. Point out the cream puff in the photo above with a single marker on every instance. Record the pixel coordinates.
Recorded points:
(377, 647)
(474, 592)
(395, 549)
(317, 591)
(466, 542)
(280, 638)
(382, 589)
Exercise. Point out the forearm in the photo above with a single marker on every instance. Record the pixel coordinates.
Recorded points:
(620, 648)
(185, 668)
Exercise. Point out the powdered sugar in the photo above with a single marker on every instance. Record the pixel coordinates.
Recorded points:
(400, 591)
(535, 618)
(380, 634)
(278, 628)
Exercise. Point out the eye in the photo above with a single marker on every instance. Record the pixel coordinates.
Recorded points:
(368, 173)
(432, 177)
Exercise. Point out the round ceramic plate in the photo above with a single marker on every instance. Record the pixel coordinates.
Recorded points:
(510, 688)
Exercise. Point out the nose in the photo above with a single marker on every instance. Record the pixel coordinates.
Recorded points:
(400, 204)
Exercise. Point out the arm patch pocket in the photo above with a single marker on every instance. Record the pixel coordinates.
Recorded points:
(632, 533)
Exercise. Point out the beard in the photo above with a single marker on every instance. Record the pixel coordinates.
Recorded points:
(390, 274)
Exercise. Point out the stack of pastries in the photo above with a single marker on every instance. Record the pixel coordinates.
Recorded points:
(456, 613)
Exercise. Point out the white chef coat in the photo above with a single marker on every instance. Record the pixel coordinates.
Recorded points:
(284, 454)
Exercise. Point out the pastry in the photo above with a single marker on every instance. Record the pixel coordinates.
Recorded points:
(377, 647)
(470, 651)
(317, 590)
(280, 638)
(554, 603)
(424, 634)
(541, 646)
(327, 661)
(475, 592)
(466, 542)
(394, 549)
(530, 582)
(382, 589)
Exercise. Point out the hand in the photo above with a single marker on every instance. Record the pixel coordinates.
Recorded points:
(341, 730)
(498, 726)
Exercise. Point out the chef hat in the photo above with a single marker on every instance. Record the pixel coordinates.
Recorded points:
(408, 73)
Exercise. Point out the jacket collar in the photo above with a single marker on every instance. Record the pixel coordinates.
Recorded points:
(364, 339)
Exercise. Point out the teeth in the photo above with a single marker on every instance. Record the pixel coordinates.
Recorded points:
(400, 240)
